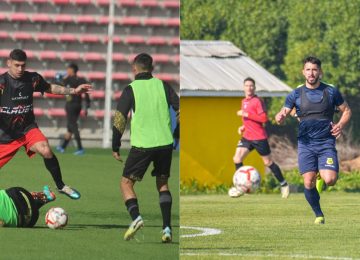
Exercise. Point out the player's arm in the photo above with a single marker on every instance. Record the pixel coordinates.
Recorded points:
(60, 90)
(287, 109)
(125, 103)
(173, 101)
(344, 119)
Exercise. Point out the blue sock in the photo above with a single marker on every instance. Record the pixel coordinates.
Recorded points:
(312, 196)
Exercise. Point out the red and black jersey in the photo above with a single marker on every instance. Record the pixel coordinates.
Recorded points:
(16, 104)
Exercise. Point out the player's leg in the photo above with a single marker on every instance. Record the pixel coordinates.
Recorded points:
(242, 150)
(43, 197)
(74, 114)
(135, 167)
(328, 165)
(36, 142)
(162, 166)
(67, 137)
(308, 166)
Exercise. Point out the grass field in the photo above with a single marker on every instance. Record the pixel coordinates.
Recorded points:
(98, 220)
(268, 227)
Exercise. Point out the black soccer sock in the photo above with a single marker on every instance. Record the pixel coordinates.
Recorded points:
(133, 208)
(52, 165)
(277, 173)
(312, 196)
(65, 143)
(238, 165)
(78, 140)
(165, 205)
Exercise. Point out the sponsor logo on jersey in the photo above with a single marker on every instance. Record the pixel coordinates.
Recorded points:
(329, 161)
(19, 110)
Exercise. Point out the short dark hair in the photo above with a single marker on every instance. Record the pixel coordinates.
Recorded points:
(249, 79)
(18, 55)
(313, 60)
(144, 61)
(74, 67)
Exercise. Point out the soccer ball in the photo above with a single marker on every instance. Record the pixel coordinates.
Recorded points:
(246, 179)
(234, 192)
(56, 218)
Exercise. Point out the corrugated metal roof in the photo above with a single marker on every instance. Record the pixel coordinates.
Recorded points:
(218, 68)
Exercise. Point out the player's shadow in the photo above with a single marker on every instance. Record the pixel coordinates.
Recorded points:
(97, 226)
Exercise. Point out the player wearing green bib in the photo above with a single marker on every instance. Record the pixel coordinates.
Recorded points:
(20, 208)
(149, 100)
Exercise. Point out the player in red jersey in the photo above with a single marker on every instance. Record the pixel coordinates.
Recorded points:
(254, 135)
(17, 121)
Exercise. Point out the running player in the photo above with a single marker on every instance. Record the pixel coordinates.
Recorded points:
(149, 100)
(73, 109)
(20, 208)
(17, 121)
(254, 135)
(315, 104)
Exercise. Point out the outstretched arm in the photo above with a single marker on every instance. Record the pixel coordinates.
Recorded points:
(60, 90)
(280, 117)
(344, 119)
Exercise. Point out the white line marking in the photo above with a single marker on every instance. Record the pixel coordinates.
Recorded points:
(205, 231)
(271, 255)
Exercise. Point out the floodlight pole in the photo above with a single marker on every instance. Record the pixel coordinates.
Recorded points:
(108, 88)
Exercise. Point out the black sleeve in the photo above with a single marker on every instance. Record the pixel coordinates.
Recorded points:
(41, 85)
(171, 96)
(126, 102)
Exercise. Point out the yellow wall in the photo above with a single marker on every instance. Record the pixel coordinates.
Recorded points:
(208, 140)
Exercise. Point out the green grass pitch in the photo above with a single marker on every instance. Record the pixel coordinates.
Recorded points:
(268, 227)
(98, 220)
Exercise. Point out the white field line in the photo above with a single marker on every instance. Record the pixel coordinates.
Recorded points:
(271, 255)
(204, 231)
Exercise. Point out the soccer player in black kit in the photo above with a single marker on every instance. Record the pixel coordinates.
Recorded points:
(73, 109)
(17, 121)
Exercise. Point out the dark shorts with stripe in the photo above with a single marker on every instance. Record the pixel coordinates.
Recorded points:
(139, 161)
(28, 212)
(261, 146)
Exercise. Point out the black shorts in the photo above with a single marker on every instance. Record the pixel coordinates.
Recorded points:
(261, 146)
(28, 212)
(139, 160)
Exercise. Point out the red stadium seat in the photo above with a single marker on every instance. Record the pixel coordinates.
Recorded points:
(81, 2)
(70, 55)
(98, 94)
(61, 2)
(4, 35)
(66, 37)
(49, 95)
(102, 2)
(30, 54)
(89, 38)
(37, 94)
(173, 22)
(3, 70)
(175, 41)
(45, 37)
(103, 20)
(116, 39)
(22, 36)
(165, 76)
(4, 53)
(120, 76)
(149, 3)
(48, 74)
(153, 21)
(42, 18)
(3, 17)
(176, 58)
(130, 3)
(18, 17)
(161, 58)
(17, 1)
(118, 57)
(117, 95)
(38, 111)
(171, 4)
(134, 39)
(156, 40)
(133, 21)
(88, 19)
(40, 1)
(56, 112)
(99, 113)
(97, 75)
(93, 56)
(63, 18)
(48, 55)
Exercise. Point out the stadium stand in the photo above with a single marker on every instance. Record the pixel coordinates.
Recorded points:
(56, 32)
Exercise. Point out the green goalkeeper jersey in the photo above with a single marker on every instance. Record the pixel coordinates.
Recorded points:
(8, 212)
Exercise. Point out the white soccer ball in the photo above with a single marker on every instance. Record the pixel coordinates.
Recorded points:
(247, 179)
(234, 192)
(56, 218)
